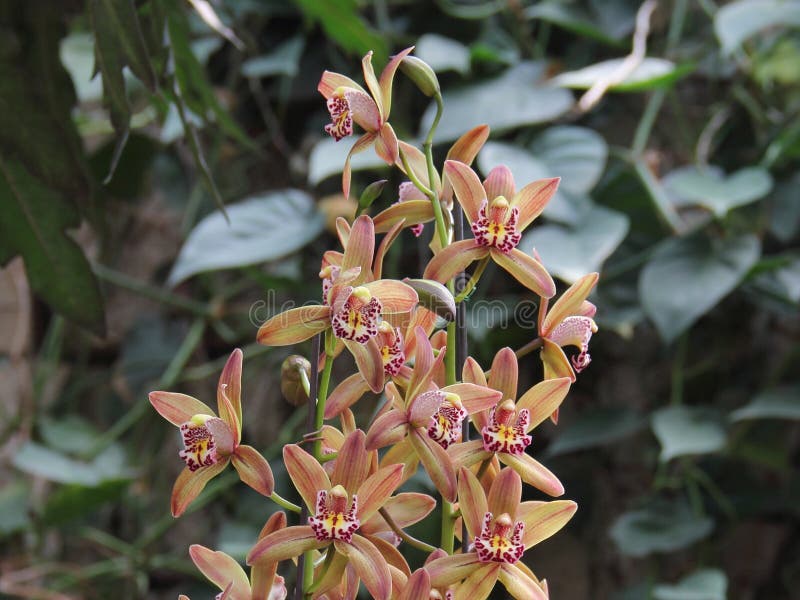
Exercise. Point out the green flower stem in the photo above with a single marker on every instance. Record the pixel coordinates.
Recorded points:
(325, 566)
(529, 347)
(482, 469)
(473, 281)
(413, 176)
(411, 541)
(283, 502)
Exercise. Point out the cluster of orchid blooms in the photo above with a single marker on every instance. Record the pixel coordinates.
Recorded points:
(352, 527)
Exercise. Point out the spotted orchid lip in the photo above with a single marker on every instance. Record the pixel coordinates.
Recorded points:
(333, 520)
(501, 435)
(496, 225)
(500, 539)
(359, 317)
(200, 449)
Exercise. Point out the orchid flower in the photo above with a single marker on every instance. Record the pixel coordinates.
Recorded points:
(225, 572)
(211, 442)
(568, 323)
(339, 505)
(347, 102)
(501, 529)
(497, 215)
(429, 417)
(504, 430)
(352, 307)
(419, 586)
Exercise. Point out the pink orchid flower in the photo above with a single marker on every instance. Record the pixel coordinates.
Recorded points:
(211, 442)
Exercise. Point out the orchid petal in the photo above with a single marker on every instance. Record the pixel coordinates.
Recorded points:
(418, 163)
(333, 577)
(376, 489)
(262, 573)
(360, 245)
(392, 556)
(437, 463)
(467, 186)
(532, 199)
(387, 77)
(254, 470)
(178, 408)
(395, 296)
(369, 362)
(413, 212)
(330, 82)
(383, 248)
(505, 493)
(570, 303)
(405, 509)
(556, 363)
(447, 570)
(364, 142)
(475, 398)
(519, 585)
(527, 270)
(499, 182)
(306, 473)
(387, 429)
(422, 407)
(423, 365)
(464, 150)
(189, 484)
(345, 395)
(467, 454)
(480, 583)
(221, 570)
(363, 110)
(369, 564)
(471, 501)
(284, 544)
(223, 436)
(386, 145)
(230, 385)
(372, 81)
(294, 325)
(352, 463)
(453, 260)
(505, 373)
(533, 473)
(418, 586)
(543, 399)
(543, 519)
(472, 372)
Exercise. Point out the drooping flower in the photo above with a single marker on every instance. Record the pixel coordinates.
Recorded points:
(339, 505)
(497, 215)
(223, 571)
(348, 102)
(211, 442)
(504, 429)
(353, 306)
(501, 529)
(429, 417)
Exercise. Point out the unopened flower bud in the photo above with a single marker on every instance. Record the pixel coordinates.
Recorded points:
(420, 72)
(435, 297)
(295, 373)
(370, 194)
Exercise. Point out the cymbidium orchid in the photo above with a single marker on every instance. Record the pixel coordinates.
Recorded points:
(352, 307)
(498, 215)
(348, 102)
(338, 505)
(224, 572)
(504, 429)
(211, 442)
(501, 528)
(429, 417)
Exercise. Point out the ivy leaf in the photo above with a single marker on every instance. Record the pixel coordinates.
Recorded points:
(715, 191)
(687, 277)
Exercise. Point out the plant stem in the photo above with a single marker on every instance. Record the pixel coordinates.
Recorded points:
(411, 541)
(529, 347)
(283, 502)
(473, 281)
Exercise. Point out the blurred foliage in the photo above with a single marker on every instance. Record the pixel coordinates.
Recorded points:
(124, 125)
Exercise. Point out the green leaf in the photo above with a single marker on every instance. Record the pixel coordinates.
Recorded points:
(40, 461)
(327, 159)
(702, 584)
(687, 277)
(283, 60)
(526, 100)
(687, 430)
(608, 22)
(596, 427)
(784, 220)
(651, 73)
(779, 403)
(34, 221)
(262, 228)
(342, 23)
(737, 21)
(70, 434)
(659, 527)
(75, 501)
(443, 54)
(13, 507)
(712, 189)
(576, 154)
(572, 251)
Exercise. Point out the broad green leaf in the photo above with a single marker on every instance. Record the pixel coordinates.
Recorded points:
(523, 164)
(328, 155)
(13, 507)
(596, 427)
(576, 154)
(71, 434)
(443, 54)
(737, 21)
(712, 189)
(571, 251)
(40, 461)
(784, 220)
(74, 501)
(779, 403)
(34, 221)
(703, 584)
(262, 228)
(526, 100)
(607, 21)
(781, 282)
(687, 277)
(687, 430)
(283, 60)
(659, 527)
(651, 73)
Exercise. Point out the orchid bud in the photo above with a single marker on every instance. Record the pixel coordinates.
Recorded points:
(435, 297)
(295, 373)
(370, 194)
(420, 72)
